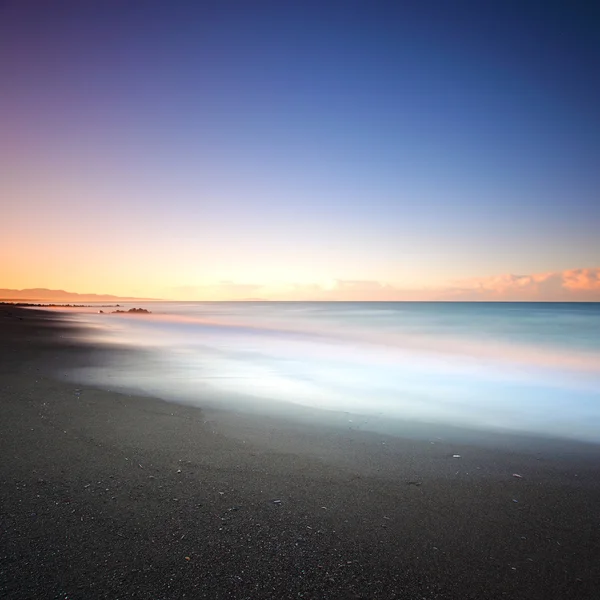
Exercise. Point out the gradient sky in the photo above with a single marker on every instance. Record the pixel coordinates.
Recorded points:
(297, 149)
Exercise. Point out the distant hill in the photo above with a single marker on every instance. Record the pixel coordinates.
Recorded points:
(46, 295)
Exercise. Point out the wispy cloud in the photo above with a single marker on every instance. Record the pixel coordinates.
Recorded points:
(346, 290)
(569, 285)
(563, 286)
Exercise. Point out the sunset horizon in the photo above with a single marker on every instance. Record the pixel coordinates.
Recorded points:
(299, 153)
(573, 285)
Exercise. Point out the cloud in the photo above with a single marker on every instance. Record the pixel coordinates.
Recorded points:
(559, 286)
(582, 279)
(347, 290)
(344, 289)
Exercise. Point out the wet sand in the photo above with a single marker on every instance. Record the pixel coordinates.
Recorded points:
(107, 495)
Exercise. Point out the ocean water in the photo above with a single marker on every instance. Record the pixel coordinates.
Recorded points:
(516, 367)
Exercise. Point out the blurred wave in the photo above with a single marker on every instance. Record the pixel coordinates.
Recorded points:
(519, 367)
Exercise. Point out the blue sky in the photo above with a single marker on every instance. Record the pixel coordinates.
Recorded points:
(408, 143)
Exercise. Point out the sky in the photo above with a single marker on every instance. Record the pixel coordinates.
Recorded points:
(301, 150)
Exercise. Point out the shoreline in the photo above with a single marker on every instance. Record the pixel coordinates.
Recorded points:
(108, 495)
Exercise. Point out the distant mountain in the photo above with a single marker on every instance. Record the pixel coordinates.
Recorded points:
(46, 295)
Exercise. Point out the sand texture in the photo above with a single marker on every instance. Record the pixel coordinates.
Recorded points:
(106, 495)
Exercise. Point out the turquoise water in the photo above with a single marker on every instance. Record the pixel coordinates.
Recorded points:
(526, 367)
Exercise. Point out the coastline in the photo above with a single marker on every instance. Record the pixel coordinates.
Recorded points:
(109, 495)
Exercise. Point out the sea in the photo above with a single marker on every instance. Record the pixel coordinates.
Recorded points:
(526, 368)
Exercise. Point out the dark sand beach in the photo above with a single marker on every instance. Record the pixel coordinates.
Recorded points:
(107, 495)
